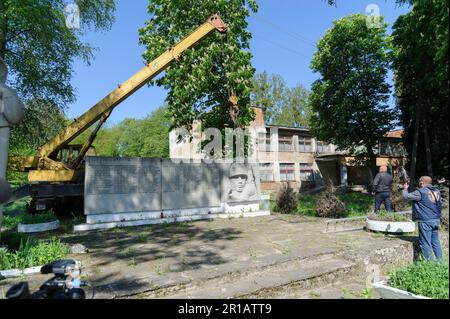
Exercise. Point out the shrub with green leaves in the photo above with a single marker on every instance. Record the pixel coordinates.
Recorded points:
(425, 278)
(32, 253)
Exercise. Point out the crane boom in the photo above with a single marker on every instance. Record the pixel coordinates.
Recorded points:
(130, 86)
(46, 168)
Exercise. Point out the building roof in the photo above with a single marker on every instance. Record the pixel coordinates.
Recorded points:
(395, 133)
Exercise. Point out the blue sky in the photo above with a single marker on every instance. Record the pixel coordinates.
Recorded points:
(284, 35)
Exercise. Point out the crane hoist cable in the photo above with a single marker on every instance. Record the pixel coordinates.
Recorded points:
(232, 98)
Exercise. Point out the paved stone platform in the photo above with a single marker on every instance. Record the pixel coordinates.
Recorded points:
(264, 257)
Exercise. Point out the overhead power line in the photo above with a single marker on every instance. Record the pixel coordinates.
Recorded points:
(281, 46)
(286, 31)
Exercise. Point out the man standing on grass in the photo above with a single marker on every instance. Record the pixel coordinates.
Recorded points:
(427, 207)
(382, 186)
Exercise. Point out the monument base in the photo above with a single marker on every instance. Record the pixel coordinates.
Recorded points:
(124, 220)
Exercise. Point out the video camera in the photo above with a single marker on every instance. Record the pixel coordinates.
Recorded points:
(64, 285)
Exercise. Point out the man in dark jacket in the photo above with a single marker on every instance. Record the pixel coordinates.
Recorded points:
(427, 207)
(382, 186)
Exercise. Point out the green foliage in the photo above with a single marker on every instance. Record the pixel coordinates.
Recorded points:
(11, 222)
(33, 253)
(356, 204)
(42, 121)
(39, 48)
(350, 100)
(282, 105)
(425, 278)
(147, 137)
(204, 78)
(420, 41)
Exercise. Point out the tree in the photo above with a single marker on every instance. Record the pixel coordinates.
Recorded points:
(350, 100)
(296, 111)
(282, 105)
(420, 65)
(39, 47)
(200, 84)
(147, 137)
(42, 121)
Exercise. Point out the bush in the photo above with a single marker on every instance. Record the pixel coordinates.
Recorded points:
(287, 200)
(32, 253)
(328, 205)
(425, 278)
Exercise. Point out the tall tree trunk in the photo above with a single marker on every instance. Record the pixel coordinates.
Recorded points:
(427, 147)
(415, 146)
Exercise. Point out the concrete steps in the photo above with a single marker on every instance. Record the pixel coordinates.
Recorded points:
(259, 282)
(269, 283)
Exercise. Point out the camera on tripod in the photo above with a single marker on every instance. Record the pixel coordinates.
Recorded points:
(65, 284)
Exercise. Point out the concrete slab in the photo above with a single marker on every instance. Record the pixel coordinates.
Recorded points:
(176, 259)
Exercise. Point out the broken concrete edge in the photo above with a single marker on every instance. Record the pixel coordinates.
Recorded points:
(386, 259)
(38, 228)
(388, 292)
(142, 286)
(15, 273)
(145, 222)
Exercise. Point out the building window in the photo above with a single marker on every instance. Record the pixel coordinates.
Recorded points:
(323, 148)
(387, 148)
(264, 142)
(306, 172)
(266, 172)
(285, 143)
(287, 172)
(305, 145)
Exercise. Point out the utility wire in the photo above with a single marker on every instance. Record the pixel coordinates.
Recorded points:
(283, 47)
(286, 31)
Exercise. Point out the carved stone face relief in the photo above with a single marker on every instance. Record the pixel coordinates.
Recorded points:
(242, 183)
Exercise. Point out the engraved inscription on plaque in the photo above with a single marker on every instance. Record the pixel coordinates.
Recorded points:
(193, 178)
(172, 179)
(149, 179)
(125, 179)
(101, 179)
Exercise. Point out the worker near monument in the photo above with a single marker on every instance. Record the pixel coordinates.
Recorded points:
(382, 187)
(427, 209)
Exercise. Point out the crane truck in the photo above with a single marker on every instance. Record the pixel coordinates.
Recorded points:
(56, 174)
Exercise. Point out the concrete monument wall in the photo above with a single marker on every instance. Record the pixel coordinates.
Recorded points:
(146, 185)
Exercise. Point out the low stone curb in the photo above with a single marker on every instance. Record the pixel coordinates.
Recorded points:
(14, 273)
(38, 228)
(388, 292)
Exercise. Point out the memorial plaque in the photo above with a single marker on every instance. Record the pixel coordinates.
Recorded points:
(122, 185)
(133, 185)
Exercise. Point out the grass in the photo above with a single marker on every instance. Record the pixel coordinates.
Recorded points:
(383, 215)
(425, 278)
(31, 253)
(11, 222)
(356, 204)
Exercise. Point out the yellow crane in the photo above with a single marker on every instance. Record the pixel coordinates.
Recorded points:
(58, 170)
